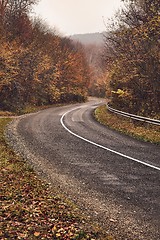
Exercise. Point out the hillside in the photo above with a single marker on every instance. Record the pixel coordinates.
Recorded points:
(88, 38)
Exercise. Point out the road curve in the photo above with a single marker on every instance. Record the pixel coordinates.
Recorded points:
(119, 182)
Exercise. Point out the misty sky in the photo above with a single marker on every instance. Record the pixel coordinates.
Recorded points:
(77, 16)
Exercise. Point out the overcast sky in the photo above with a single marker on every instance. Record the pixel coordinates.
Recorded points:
(77, 16)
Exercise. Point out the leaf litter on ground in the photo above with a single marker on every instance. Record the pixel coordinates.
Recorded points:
(31, 209)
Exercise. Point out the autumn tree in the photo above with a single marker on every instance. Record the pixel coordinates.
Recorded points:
(14, 18)
(48, 68)
(97, 84)
(131, 52)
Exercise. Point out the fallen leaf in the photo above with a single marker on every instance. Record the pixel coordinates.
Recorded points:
(54, 229)
(36, 234)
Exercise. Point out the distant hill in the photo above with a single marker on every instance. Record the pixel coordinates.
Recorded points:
(88, 38)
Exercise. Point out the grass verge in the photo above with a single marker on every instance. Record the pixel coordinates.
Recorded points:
(32, 209)
(31, 109)
(26, 109)
(141, 131)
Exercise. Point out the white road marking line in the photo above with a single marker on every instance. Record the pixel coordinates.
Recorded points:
(101, 146)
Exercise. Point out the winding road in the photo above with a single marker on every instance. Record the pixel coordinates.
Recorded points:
(115, 178)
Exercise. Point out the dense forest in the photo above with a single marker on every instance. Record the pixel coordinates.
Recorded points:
(37, 65)
(131, 57)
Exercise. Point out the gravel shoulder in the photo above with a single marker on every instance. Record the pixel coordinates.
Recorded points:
(115, 219)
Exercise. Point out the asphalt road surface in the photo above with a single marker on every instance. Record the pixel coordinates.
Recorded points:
(114, 178)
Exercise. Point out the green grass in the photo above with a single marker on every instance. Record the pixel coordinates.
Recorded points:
(143, 131)
(32, 209)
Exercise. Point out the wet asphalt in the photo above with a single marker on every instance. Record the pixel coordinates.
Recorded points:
(118, 190)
